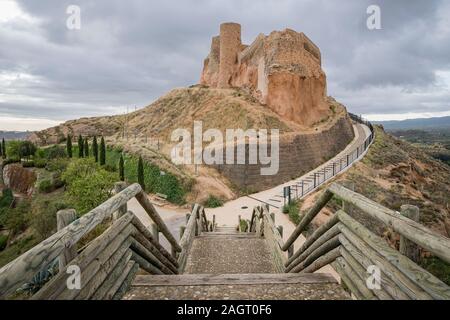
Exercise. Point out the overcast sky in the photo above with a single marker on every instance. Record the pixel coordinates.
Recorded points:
(129, 53)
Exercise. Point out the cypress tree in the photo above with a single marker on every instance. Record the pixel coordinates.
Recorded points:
(121, 168)
(95, 148)
(86, 148)
(80, 147)
(102, 152)
(140, 173)
(69, 146)
(4, 148)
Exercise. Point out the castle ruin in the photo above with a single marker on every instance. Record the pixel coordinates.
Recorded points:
(282, 70)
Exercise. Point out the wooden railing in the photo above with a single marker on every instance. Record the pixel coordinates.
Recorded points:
(196, 223)
(352, 250)
(263, 224)
(107, 265)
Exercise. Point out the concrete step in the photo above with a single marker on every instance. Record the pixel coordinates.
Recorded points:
(281, 286)
(229, 253)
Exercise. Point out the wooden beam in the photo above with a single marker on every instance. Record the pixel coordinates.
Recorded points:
(347, 280)
(119, 187)
(324, 260)
(323, 249)
(417, 233)
(355, 279)
(421, 278)
(154, 215)
(384, 257)
(409, 248)
(111, 279)
(387, 285)
(316, 235)
(147, 255)
(63, 219)
(148, 235)
(58, 283)
(23, 268)
(324, 198)
(331, 233)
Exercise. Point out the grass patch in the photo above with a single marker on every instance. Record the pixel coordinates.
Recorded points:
(293, 210)
(213, 202)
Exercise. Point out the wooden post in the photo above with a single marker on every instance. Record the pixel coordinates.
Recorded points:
(407, 247)
(351, 186)
(239, 224)
(272, 216)
(155, 232)
(182, 229)
(290, 251)
(63, 219)
(119, 187)
(213, 227)
(280, 231)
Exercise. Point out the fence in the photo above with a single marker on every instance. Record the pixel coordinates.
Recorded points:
(308, 184)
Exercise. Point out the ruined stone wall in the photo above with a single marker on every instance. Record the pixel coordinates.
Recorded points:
(299, 154)
(282, 70)
(230, 46)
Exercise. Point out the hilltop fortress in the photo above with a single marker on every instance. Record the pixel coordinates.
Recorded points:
(281, 70)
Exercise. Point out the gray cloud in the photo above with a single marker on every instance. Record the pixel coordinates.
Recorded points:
(129, 53)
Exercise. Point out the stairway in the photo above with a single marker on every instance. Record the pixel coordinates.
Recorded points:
(226, 264)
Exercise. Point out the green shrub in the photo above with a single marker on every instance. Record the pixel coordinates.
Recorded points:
(40, 163)
(10, 161)
(28, 164)
(43, 216)
(438, 268)
(55, 152)
(16, 219)
(213, 202)
(3, 241)
(7, 198)
(294, 211)
(45, 186)
(243, 224)
(57, 165)
(88, 184)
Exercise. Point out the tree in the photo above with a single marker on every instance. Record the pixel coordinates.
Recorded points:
(121, 168)
(102, 152)
(86, 148)
(3, 148)
(27, 149)
(140, 173)
(95, 148)
(69, 146)
(80, 147)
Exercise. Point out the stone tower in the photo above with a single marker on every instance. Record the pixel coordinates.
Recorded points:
(230, 45)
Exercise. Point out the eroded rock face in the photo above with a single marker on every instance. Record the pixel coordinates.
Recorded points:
(19, 179)
(282, 70)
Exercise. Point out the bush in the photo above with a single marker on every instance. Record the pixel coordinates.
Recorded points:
(43, 216)
(28, 164)
(16, 219)
(45, 186)
(213, 202)
(10, 161)
(7, 198)
(55, 152)
(40, 163)
(293, 210)
(57, 165)
(88, 185)
(3, 241)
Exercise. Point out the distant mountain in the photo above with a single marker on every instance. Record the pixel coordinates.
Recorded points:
(14, 135)
(423, 124)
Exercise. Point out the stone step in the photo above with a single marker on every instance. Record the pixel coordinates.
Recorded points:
(213, 253)
(281, 286)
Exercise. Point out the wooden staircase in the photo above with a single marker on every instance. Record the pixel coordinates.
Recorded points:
(209, 262)
(227, 264)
